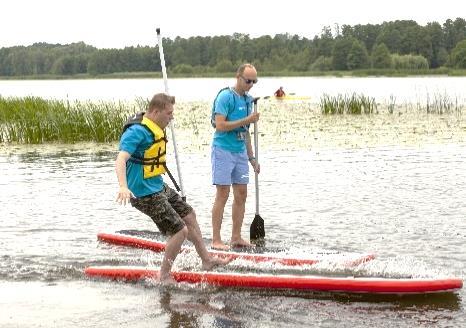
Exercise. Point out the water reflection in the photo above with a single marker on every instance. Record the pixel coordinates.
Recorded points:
(424, 302)
(196, 312)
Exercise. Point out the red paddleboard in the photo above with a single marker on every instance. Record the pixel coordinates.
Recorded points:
(118, 238)
(295, 282)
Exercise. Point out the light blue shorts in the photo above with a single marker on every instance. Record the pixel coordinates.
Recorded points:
(229, 168)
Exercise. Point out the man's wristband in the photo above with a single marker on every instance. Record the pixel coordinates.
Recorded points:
(251, 158)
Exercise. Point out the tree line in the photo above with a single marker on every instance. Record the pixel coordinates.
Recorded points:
(401, 44)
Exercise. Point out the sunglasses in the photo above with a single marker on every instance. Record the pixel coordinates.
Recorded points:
(248, 81)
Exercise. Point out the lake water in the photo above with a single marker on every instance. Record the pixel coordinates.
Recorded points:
(411, 89)
(392, 185)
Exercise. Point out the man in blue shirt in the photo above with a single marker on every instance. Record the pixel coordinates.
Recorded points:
(139, 167)
(231, 150)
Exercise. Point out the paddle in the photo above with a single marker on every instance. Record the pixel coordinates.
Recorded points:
(165, 80)
(257, 230)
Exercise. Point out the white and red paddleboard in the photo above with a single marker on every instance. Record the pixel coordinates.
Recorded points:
(295, 282)
(132, 240)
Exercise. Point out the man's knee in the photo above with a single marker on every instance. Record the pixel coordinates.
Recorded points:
(240, 193)
(222, 193)
(190, 217)
(183, 232)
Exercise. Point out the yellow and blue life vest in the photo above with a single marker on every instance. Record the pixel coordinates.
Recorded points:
(153, 160)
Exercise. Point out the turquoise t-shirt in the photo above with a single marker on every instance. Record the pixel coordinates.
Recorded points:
(135, 140)
(233, 107)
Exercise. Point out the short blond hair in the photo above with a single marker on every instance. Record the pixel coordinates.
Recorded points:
(242, 67)
(160, 101)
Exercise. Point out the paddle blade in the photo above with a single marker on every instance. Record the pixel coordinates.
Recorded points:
(257, 230)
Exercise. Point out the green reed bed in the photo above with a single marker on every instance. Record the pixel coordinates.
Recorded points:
(441, 104)
(347, 104)
(34, 120)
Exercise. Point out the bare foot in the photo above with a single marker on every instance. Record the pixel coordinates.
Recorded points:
(214, 261)
(220, 246)
(240, 243)
(167, 281)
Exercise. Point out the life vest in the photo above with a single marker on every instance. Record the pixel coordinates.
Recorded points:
(154, 157)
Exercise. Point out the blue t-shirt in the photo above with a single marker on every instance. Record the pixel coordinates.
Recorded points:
(234, 107)
(135, 140)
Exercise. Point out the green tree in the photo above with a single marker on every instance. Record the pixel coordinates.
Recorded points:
(458, 55)
(263, 47)
(381, 57)
(322, 64)
(391, 37)
(357, 56)
(341, 49)
(21, 62)
(409, 62)
(454, 32)
(324, 44)
(442, 57)
(183, 69)
(248, 50)
(367, 34)
(224, 66)
(434, 30)
(276, 62)
(63, 66)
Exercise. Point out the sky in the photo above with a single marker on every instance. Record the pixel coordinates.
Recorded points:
(118, 23)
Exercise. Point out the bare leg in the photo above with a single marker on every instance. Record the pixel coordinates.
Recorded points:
(240, 192)
(195, 236)
(172, 249)
(221, 198)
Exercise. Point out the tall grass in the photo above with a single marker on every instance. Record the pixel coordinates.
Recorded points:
(441, 104)
(34, 120)
(344, 104)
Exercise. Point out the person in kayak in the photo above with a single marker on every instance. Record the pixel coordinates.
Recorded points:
(231, 151)
(280, 92)
(139, 166)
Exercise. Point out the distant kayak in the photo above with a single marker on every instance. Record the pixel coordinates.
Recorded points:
(291, 97)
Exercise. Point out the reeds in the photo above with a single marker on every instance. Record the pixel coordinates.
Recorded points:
(344, 104)
(33, 120)
(441, 104)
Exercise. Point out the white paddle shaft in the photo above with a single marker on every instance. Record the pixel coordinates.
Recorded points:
(172, 129)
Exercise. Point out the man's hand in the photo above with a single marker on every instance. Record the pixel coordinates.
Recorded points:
(124, 195)
(253, 118)
(256, 166)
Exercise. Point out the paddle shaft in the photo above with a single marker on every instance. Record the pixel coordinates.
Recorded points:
(172, 129)
(256, 154)
(257, 229)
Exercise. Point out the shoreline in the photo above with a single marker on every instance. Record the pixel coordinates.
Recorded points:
(337, 74)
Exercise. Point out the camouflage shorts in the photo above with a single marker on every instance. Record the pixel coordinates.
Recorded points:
(165, 208)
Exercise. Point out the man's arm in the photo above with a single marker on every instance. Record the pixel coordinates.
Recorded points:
(251, 157)
(223, 125)
(124, 194)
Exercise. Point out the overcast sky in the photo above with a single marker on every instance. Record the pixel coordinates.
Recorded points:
(118, 23)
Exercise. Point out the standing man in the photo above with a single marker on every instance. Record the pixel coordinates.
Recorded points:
(231, 151)
(139, 167)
